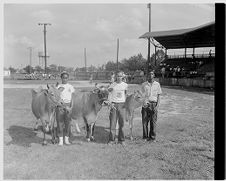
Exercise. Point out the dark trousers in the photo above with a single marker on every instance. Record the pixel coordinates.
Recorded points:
(117, 114)
(149, 114)
(63, 122)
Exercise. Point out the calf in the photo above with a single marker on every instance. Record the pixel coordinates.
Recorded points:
(43, 107)
(86, 105)
(132, 102)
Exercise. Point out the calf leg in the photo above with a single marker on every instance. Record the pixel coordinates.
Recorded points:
(44, 143)
(54, 135)
(44, 130)
(131, 126)
(92, 126)
(87, 129)
(87, 132)
(77, 128)
(36, 125)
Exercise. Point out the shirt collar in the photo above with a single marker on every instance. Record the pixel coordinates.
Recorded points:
(150, 83)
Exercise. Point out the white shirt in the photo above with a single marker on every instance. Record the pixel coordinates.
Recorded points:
(151, 91)
(118, 93)
(66, 92)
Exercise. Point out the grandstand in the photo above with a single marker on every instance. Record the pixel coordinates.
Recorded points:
(194, 65)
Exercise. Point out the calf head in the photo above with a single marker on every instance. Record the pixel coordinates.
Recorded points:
(54, 95)
(138, 99)
(102, 93)
(138, 96)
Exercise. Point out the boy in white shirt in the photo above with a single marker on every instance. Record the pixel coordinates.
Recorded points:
(63, 121)
(151, 90)
(118, 92)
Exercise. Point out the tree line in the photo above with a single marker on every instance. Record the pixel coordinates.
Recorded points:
(132, 64)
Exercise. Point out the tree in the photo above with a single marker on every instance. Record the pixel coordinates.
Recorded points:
(53, 68)
(61, 68)
(91, 68)
(70, 69)
(12, 70)
(111, 66)
(28, 69)
(38, 68)
(136, 62)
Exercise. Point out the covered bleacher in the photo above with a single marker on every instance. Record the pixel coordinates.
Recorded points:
(189, 65)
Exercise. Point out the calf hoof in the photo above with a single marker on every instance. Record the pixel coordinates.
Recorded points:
(44, 143)
(54, 141)
(92, 138)
(88, 139)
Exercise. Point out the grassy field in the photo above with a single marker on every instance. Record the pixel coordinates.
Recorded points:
(184, 147)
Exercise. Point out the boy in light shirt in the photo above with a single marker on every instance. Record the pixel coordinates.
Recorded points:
(118, 92)
(151, 90)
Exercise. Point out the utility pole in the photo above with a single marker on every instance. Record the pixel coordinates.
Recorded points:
(85, 59)
(39, 57)
(148, 62)
(45, 24)
(30, 53)
(155, 55)
(117, 54)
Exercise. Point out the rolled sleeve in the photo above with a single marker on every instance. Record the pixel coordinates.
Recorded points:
(159, 90)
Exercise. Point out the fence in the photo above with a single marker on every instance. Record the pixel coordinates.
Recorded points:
(96, 75)
(187, 82)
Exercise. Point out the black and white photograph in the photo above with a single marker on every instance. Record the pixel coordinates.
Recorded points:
(108, 91)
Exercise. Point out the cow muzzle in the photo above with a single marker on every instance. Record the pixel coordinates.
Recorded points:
(47, 128)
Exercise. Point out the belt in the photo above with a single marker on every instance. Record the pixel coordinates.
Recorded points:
(118, 102)
(152, 102)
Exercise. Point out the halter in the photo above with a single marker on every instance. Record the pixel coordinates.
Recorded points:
(100, 97)
(53, 103)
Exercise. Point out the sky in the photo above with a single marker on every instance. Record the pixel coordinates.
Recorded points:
(95, 27)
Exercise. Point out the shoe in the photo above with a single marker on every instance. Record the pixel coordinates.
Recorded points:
(66, 141)
(60, 141)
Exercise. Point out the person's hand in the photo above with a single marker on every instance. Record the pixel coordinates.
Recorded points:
(155, 108)
(110, 89)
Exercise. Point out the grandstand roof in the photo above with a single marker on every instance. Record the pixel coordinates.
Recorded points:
(201, 36)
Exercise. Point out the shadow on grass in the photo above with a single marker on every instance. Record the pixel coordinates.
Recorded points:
(100, 135)
(23, 136)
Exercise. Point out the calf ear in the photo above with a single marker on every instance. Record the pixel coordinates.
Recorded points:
(96, 91)
(45, 92)
(47, 86)
(138, 91)
(33, 92)
(57, 84)
(96, 85)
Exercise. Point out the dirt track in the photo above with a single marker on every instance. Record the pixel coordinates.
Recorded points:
(184, 147)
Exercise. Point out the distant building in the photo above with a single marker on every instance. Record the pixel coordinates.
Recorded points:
(6, 72)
